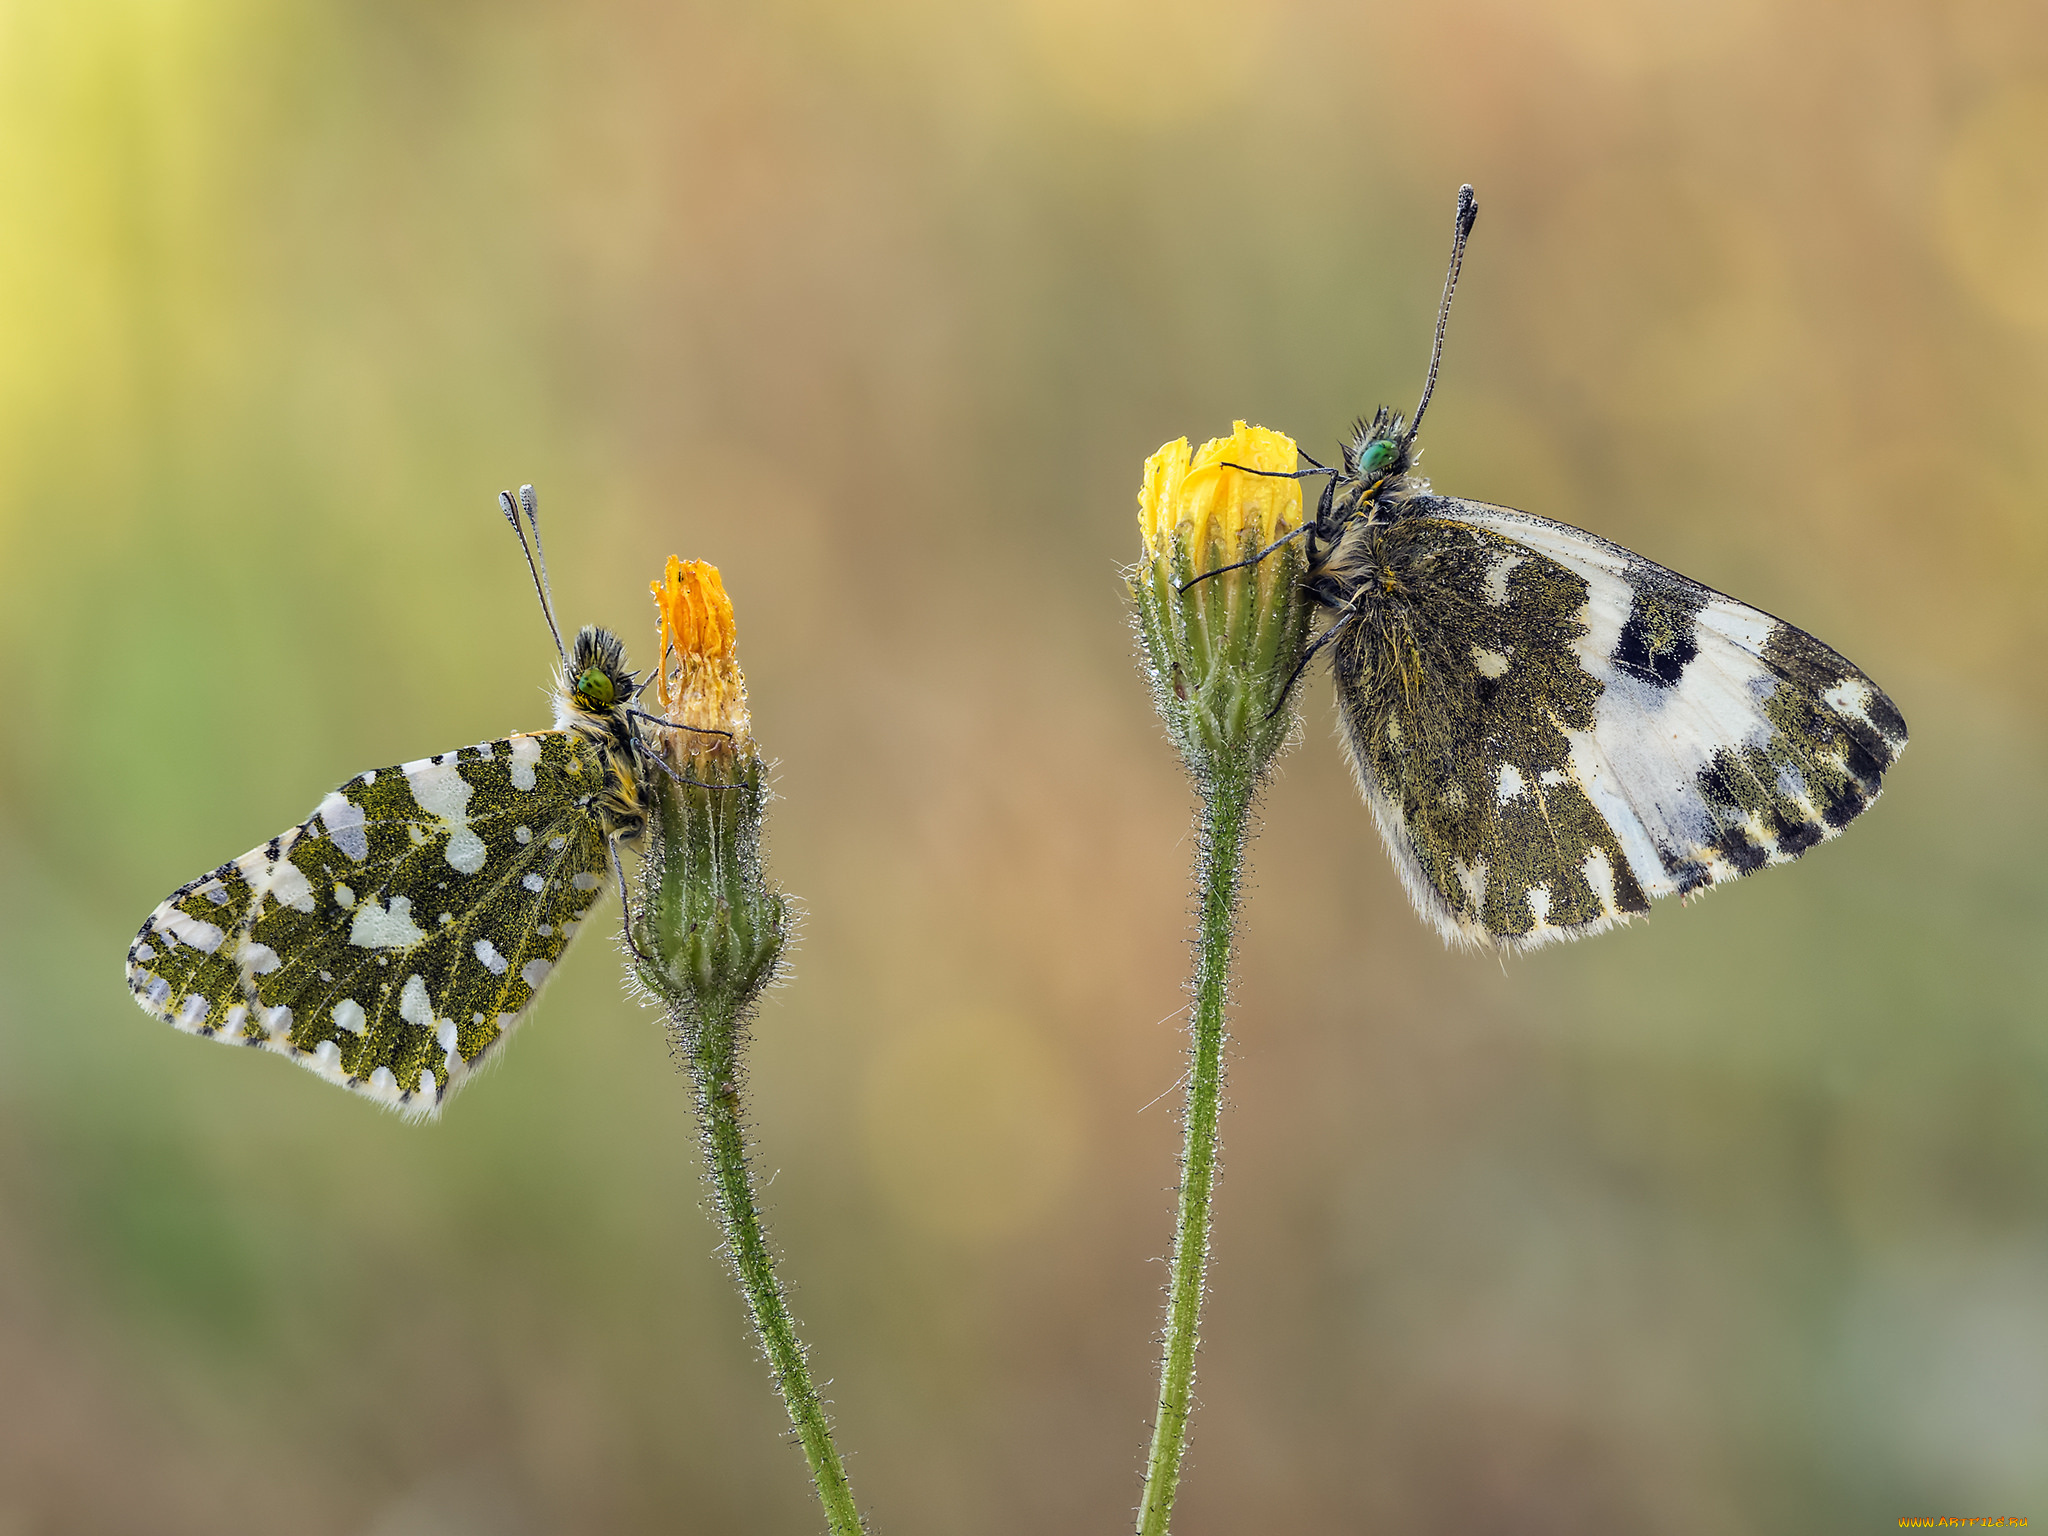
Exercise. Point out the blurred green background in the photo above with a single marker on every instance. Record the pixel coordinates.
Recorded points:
(1731, 1222)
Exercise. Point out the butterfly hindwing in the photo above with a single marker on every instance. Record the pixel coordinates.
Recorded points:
(1552, 731)
(391, 940)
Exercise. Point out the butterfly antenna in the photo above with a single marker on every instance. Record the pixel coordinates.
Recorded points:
(534, 562)
(1468, 210)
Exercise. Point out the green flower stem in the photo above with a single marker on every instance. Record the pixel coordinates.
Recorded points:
(714, 929)
(1224, 820)
(715, 1067)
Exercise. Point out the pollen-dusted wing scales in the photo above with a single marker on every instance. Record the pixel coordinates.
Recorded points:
(1551, 730)
(391, 940)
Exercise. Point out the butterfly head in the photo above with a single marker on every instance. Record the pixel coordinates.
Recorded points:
(1379, 450)
(597, 683)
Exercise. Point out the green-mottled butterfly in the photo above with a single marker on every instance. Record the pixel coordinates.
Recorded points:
(391, 940)
(1551, 730)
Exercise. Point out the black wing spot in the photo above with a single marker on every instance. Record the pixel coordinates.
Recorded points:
(1793, 837)
(1865, 766)
(1738, 848)
(1657, 642)
(1844, 804)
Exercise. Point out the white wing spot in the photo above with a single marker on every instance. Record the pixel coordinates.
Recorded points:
(378, 927)
(1539, 904)
(193, 1010)
(558, 843)
(532, 882)
(534, 972)
(493, 962)
(261, 959)
(584, 880)
(1600, 876)
(1551, 778)
(216, 895)
(413, 1004)
(344, 896)
(1473, 878)
(523, 833)
(1511, 783)
(348, 1015)
(1496, 584)
(290, 887)
(443, 793)
(343, 819)
(525, 753)
(144, 953)
(466, 851)
(1850, 697)
(1489, 663)
(190, 931)
(446, 1033)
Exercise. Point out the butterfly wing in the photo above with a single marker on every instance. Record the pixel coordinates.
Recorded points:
(1552, 730)
(393, 939)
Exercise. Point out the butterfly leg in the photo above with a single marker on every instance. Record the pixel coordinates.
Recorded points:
(625, 904)
(1329, 633)
(670, 725)
(1280, 474)
(683, 778)
(1238, 565)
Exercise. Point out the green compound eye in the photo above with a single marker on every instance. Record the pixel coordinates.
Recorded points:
(596, 687)
(1378, 456)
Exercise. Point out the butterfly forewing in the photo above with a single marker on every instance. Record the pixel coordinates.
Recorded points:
(1552, 730)
(392, 939)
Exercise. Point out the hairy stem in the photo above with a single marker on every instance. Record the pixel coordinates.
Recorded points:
(1226, 804)
(715, 1068)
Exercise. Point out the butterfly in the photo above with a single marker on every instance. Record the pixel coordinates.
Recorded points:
(1550, 730)
(392, 939)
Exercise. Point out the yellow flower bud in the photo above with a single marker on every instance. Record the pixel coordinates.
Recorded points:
(1220, 649)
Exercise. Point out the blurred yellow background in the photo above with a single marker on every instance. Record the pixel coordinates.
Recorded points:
(1728, 1223)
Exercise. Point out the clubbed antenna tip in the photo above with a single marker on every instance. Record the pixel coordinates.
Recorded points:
(536, 562)
(1468, 213)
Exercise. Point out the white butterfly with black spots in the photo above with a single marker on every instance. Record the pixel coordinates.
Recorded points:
(1552, 731)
